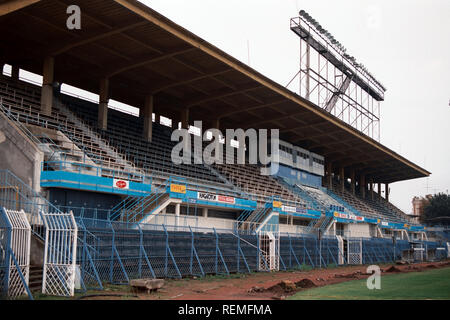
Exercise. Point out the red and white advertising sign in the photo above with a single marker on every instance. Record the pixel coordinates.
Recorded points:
(226, 199)
(348, 216)
(121, 184)
(214, 197)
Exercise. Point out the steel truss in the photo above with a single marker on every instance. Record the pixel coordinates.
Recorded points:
(328, 79)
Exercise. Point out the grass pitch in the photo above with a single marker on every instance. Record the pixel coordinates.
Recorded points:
(433, 284)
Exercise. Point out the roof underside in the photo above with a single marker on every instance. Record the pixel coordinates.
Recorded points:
(143, 53)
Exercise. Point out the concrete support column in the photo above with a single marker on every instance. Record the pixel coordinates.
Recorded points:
(147, 113)
(362, 185)
(15, 73)
(177, 213)
(342, 178)
(184, 118)
(352, 177)
(103, 104)
(205, 212)
(379, 191)
(329, 175)
(47, 82)
(215, 124)
(175, 121)
(386, 191)
(371, 189)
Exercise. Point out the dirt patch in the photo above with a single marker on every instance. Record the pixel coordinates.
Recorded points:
(305, 284)
(392, 269)
(353, 275)
(431, 266)
(262, 285)
(285, 286)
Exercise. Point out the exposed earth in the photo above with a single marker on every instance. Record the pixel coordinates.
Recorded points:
(255, 286)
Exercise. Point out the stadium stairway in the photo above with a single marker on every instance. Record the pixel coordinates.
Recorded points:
(143, 209)
(311, 201)
(249, 179)
(252, 220)
(35, 278)
(354, 201)
(343, 202)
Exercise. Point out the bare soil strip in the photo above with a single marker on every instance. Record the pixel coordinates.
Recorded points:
(264, 286)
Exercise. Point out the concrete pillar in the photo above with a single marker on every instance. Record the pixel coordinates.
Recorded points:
(47, 89)
(362, 185)
(352, 177)
(15, 73)
(147, 113)
(379, 191)
(103, 104)
(205, 212)
(175, 121)
(177, 213)
(215, 124)
(386, 191)
(329, 175)
(342, 178)
(184, 118)
(371, 189)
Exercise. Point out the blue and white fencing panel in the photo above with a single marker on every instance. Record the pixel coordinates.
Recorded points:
(61, 235)
(15, 240)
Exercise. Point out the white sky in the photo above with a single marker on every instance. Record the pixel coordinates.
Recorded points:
(405, 44)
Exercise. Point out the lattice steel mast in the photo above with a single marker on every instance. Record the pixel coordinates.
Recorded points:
(334, 80)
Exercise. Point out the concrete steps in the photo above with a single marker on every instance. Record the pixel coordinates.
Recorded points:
(35, 278)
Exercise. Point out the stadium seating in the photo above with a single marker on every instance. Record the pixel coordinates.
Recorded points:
(122, 147)
(22, 100)
(124, 132)
(249, 179)
(320, 196)
(352, 200)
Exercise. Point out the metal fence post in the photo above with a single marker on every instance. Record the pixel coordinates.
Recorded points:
(167, 251)
(111, 265)
(140, 252)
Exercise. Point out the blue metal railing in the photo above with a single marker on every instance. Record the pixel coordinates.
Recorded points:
(343, 202)
(99, 171)
(313, 204)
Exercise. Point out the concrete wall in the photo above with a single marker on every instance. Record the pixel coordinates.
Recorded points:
(358, 230)
(19, 154)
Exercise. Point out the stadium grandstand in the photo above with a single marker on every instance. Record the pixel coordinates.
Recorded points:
(101, 196)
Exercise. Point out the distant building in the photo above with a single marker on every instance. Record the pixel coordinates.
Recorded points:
(418, 205)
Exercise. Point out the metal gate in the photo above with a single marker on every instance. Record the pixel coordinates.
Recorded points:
(419, 252)
(60, 254)
(15, 240)
(354, 251)
(269, 248)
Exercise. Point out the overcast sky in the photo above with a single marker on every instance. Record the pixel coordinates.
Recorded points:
(405, 44)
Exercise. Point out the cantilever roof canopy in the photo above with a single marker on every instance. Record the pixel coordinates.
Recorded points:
(143, 53)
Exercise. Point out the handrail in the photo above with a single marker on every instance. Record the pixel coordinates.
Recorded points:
(99, 170)
(22, 127)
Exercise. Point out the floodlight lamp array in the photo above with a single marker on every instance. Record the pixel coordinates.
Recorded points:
(337, 45)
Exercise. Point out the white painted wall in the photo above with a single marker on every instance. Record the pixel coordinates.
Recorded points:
(358, 230)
